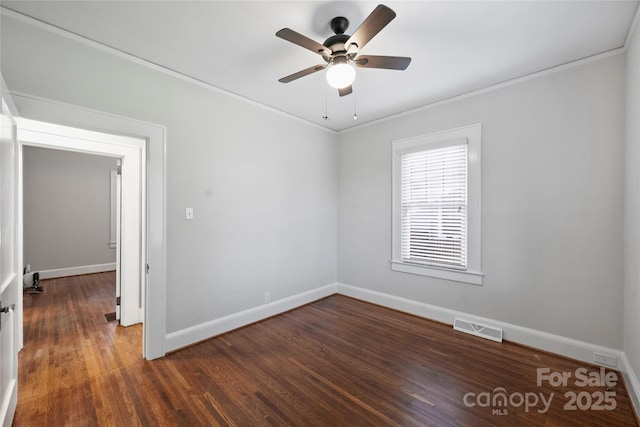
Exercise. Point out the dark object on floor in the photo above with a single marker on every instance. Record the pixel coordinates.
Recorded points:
(111, 317)
(35, 288)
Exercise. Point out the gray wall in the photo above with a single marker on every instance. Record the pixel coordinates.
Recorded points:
(632, 208)
(267, 190)
(552, 204)
(67, 212)
(263, 185)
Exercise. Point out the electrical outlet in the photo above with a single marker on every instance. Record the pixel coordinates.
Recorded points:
(605, 359)
(188, 213)
(267, 297)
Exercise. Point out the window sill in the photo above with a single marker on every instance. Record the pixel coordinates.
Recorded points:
(440, 273)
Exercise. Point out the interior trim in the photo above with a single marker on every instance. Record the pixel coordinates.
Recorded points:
(193, 334)
(76, 271)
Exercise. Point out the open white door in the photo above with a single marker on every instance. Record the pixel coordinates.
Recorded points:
(10, 273)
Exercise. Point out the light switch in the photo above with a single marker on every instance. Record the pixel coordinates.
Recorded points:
(188, 214)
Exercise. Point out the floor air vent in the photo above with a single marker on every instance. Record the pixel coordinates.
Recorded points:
(478, 329)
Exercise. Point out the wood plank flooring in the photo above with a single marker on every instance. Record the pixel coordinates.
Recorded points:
(336, 362)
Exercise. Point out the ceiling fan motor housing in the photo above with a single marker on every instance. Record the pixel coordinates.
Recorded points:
(336, 43)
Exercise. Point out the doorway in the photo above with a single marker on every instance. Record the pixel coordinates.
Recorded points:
(153, 301)
(130, 265)
(70, 215)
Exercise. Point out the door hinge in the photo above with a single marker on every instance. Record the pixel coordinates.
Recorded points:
(117, 300)
(119, 170)
(147, 268)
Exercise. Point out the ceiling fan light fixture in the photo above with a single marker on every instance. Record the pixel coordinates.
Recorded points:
(340, 75)
(341, 51)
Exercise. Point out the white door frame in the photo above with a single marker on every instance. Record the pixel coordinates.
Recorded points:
(132, 244)
(153, 298)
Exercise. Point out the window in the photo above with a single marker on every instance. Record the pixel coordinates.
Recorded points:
(436, 205)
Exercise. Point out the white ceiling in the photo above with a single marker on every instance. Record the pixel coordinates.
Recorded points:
(456, 46)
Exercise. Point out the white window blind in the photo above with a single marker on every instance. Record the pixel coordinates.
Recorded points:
(433, 205)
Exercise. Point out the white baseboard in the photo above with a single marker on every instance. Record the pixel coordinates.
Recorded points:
(203, 331)
(76, 271)
(564, 346)
(631, 380)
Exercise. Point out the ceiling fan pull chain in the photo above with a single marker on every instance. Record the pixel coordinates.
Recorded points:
(326, 115)
(355, 107)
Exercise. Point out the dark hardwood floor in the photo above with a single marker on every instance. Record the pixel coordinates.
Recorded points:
(336, 362)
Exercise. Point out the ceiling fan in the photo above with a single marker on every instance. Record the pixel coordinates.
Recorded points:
(340, 51)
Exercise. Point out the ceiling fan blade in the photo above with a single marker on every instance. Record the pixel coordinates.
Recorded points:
(386, 62)
(376, 21)
(302, 73)
(304, 41)
(345, 90)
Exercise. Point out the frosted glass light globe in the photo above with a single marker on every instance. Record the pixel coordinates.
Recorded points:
(340, 75)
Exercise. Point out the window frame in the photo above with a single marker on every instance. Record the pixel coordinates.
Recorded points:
(473, 135)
